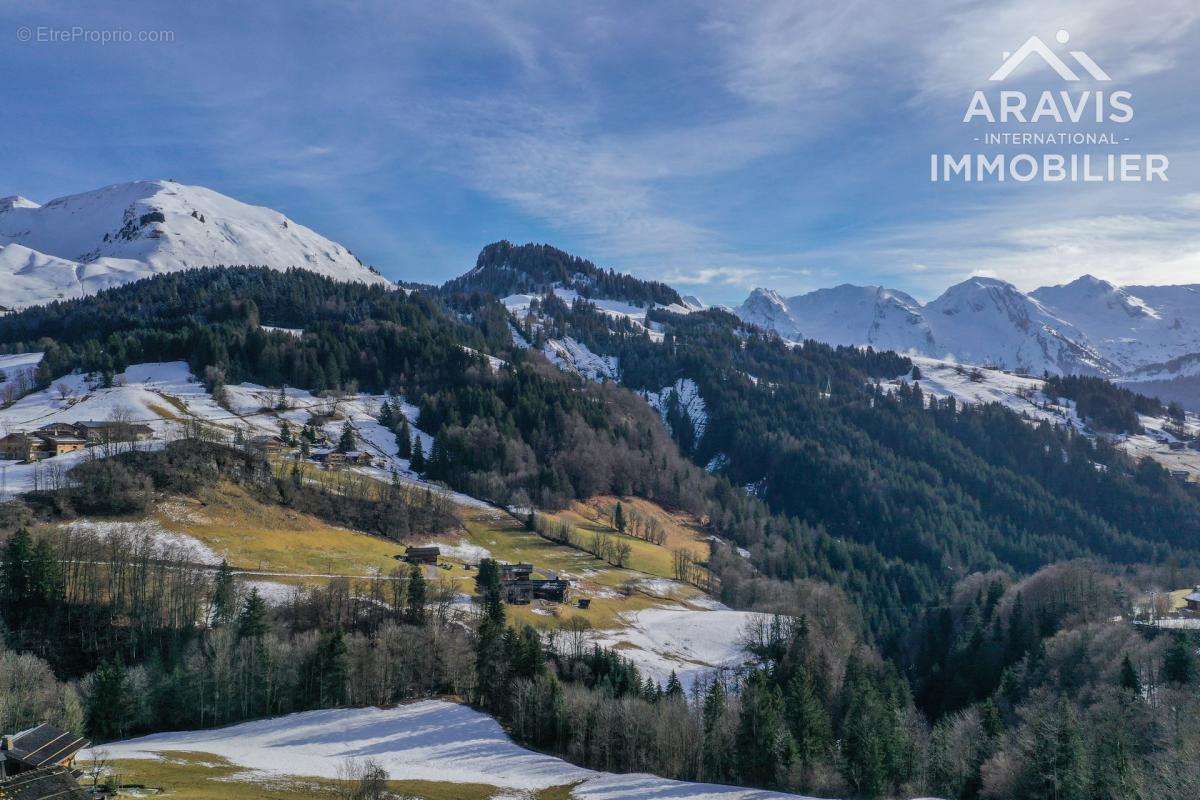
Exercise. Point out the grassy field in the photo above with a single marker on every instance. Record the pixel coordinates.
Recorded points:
(203, 776)
(254, 535)
(611, 590)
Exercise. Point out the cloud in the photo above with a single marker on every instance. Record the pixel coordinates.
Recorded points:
(714, 276)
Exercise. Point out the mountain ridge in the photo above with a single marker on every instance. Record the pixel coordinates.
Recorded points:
(1088, 326)
(125, 231)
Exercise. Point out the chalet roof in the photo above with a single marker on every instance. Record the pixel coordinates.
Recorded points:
(424, 549)
(14, 437)
(59, 438)
(101, 424)
(45, 745)
(49, 783)
(1193, 596)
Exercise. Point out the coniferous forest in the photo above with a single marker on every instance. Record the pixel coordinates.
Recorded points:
(940, 580)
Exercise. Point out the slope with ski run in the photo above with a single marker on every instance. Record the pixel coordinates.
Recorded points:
(1088, 326)
(83, 243)
(1026, 396)
(430, 740)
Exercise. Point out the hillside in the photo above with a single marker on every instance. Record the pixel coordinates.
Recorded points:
(83, 243)
(828, 503)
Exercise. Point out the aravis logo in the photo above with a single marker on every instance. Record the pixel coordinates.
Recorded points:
(1005, 118)
(1035, 46)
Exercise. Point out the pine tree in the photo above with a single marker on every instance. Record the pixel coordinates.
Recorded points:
(807, 719)
(16, 589)
(1179, 662)
(674, 687)
(404, 444)
(716, 756)
(224, 596)
(252, 621)
(490, 665)
(417, 462)
(416, 596)
(334, 669)
(764, 746)
(109, 702)
(346, 441)
(1129, 677)
(387, 417)
(619, 518)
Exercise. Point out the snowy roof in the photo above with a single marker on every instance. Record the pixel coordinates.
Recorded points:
(1193, 596)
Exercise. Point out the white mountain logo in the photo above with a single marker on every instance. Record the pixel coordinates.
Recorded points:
(1035, 45)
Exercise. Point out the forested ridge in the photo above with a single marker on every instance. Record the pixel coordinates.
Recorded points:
(881, 522)
(931, 489)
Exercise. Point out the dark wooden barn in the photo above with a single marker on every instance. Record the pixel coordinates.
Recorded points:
(422, 555)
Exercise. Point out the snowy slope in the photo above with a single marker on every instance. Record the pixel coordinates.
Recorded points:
(687, 393)
(1025, 396)
(431, 740)
(82, 243)
(1132, 326)
(165, 395)
(1088, 326)
(689, 642)
(572, 356)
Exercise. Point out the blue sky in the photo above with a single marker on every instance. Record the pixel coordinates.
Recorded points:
(720, 147)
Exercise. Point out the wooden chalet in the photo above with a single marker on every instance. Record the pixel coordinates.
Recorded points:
(519, 585)
(521, 592)
(1192, 600)
(331, 459)
(515, 572)
(266, 443)
(38, 748)
(422, 555)
(38, 445)
(60, 429)
(102, 431)
(360, 458)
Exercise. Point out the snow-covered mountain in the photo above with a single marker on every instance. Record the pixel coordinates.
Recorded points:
(1088, 326)
(83, 243)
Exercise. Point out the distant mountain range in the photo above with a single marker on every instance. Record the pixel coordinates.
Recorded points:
(82, 243)
(1088, 326)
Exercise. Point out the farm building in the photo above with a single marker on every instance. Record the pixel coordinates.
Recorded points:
(46, 783)
(101, 431)
(519, 585)
(266, 443)
(41, 748)
(330, 460)
(422, 555)
(1192, 600)
(38, 445)
(515, 572)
